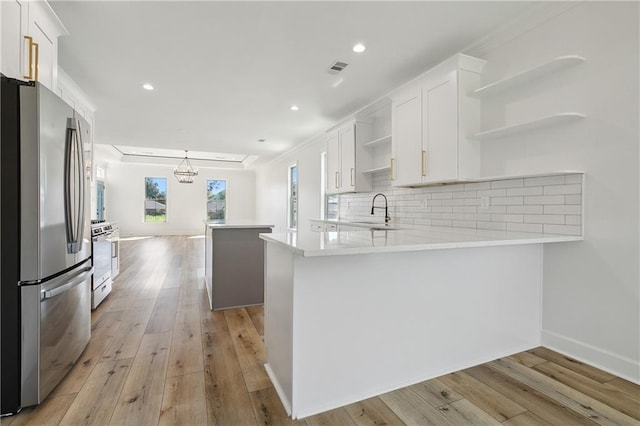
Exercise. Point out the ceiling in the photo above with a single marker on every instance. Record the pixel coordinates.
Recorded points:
(226, 73)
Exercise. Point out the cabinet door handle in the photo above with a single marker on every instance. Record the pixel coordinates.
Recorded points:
(337, 173)
(391, 172)
(353, 176)
(37, 62)
(30, 40)
(423, 166)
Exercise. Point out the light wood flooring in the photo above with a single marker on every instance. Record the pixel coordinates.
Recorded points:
(158, 356)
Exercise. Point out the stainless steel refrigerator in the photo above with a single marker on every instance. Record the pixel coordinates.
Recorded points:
(45, 241)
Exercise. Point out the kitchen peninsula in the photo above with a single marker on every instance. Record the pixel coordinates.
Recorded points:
(350, 315)
(234, 272)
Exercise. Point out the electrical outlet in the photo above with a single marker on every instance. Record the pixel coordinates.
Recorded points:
(484, 203)
(424, 204)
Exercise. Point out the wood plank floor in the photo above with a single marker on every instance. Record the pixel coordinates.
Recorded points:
(159, 356)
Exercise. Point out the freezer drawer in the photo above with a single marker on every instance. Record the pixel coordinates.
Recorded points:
(56, 329)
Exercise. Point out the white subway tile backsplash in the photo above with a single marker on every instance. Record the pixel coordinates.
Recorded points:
(465, 194)
(478, 216)
(525, 209)
(492, 193)
(573, 179)
(524, 227)
(563, 229)
(506, 201)
(530, 190)
(501, 226)
(544, 218)
(573, 219)
(516, 218)
(464, 209)
(552, 204)
(464, 223)
(441, 196)
(453, 216)
(477, 186)
(544, 199)
(563, 189)
(453, 202)
(510, 183)
(546, 180)
(563, 209)
(573, 199)
(493, 209)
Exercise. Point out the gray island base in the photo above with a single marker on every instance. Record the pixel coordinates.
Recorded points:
(234, 259)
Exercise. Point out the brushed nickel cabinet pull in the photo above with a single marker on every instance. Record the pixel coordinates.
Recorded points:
(391, 173)
(423, 166)
(353, 176)
(337, 173)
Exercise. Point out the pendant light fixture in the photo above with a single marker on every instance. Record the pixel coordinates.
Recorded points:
(185, 173)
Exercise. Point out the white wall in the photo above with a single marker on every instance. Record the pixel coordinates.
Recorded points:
(186, 203)
(272, 185)
(591, 288)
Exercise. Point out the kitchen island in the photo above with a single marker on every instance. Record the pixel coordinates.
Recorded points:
(350, 315)
(234, 271)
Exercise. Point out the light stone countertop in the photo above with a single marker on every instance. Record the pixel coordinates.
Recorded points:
(309, 243)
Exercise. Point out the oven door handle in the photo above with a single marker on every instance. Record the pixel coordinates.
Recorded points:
(78, 279)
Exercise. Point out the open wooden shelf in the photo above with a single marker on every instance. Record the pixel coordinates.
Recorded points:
(379, 141)
(530, 74)
(551, 120)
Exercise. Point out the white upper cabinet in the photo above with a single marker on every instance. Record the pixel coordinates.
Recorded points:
(343, 171)
(432, 120)
(333, 165)
(30, 31)
(15, 22)
(406, 140)
(347, 139)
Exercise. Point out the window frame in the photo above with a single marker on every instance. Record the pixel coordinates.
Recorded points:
(166, 198)
(226, 200)
(290, 197)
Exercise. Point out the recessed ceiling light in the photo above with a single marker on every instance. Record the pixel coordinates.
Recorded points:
(147, 86)
(359, 48)
(261, 140)
(294, 107)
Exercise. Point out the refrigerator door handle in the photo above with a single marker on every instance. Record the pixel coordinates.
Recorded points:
(81, 185)
(74, 208)
(78, 279)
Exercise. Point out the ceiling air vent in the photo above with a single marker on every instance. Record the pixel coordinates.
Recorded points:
(337, 67)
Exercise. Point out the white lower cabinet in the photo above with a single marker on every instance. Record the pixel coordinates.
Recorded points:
(431, 124)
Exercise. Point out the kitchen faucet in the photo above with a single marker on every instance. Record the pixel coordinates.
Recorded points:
(387, 218)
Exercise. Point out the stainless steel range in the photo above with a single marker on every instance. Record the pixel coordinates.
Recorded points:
(101, 233)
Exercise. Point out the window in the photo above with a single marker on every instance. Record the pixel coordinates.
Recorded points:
(329, 202)
(217, 201)
(292, 207)
(155, 200)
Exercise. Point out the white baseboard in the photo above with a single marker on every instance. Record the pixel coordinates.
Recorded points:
(624, 367)
(276, 384)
